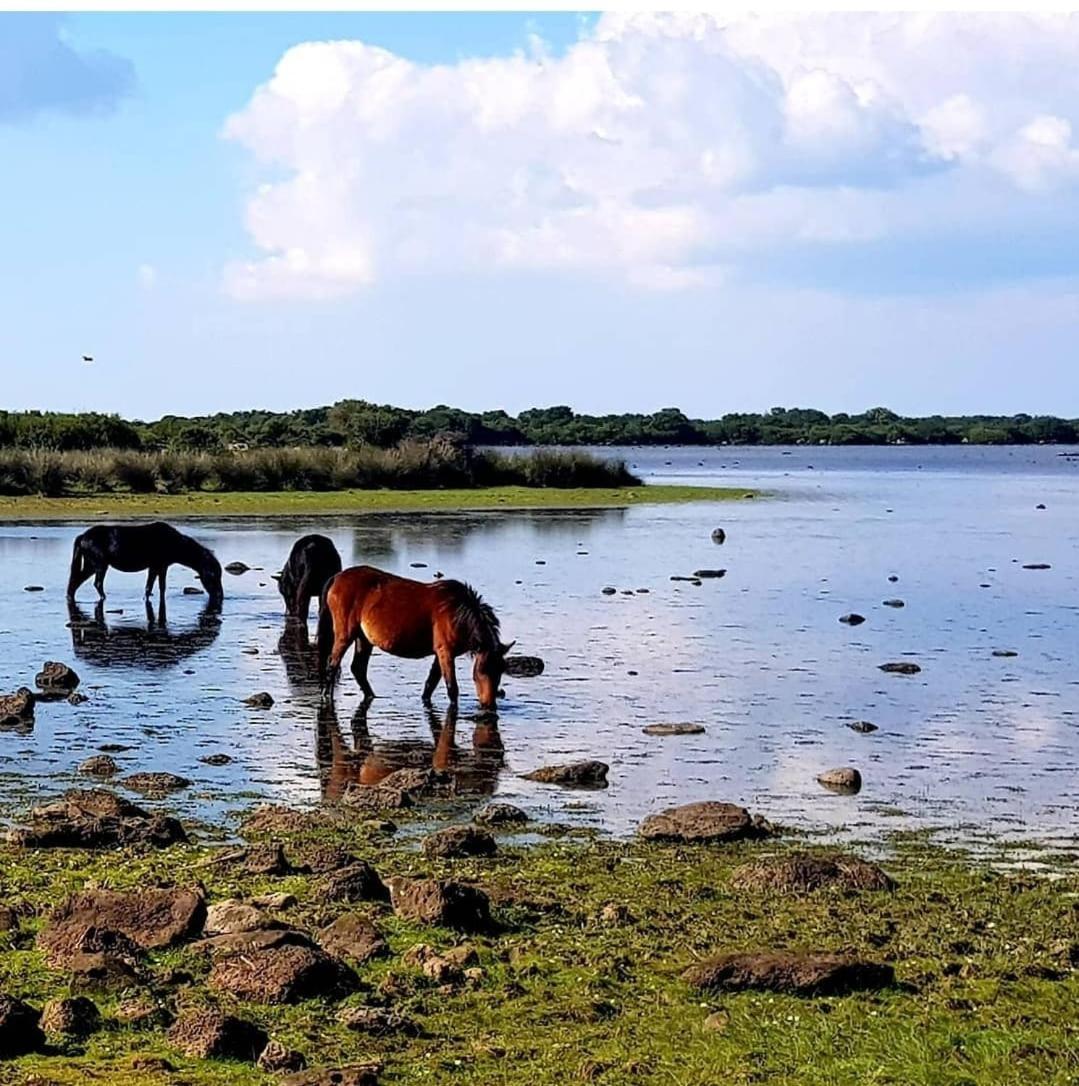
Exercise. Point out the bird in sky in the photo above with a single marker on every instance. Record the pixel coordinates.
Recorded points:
(87, 358)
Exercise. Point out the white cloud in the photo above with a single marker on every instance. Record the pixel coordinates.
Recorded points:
(658, 149)
(146, 276)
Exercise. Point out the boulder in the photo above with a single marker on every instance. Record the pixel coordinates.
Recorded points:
(791, 972)
(19, 1029)
(321, 859)
(211, 1035)
(522, 667)
(500, 814)
(155, 784)
(95, 818)
(283, 974)
(353, 936)
(17, 710)
(276, 1059)
(708, 822)
(76, 1016)
(804, 872)
(673, 729)
(900, 667)
(230, 917)
(55, 677)
(376, 1021)
(353, 1074)
(586, 774)
(862, 726)
(244, 941)
(441, 903)
(456, 841)
(845, 780)
(216, 759)
(259, 701)
(852, 619)
(357, 882)
(100, 765)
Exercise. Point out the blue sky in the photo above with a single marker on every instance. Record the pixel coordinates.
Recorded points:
(234, 211)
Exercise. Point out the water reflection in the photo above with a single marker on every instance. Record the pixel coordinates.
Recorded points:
(124, 645)
(299, 656)
(367, 761)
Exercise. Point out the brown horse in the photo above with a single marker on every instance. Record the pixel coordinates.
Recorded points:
(410, 619)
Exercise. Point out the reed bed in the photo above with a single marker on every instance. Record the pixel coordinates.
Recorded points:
(412, 465)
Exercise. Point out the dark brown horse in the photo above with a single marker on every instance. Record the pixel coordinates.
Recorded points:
(373, 609)
(131, 548)
(312, 561)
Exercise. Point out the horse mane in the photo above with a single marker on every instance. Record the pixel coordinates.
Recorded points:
(473, 615)
(201, 557)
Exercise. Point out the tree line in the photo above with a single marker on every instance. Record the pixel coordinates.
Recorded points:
(358, 423)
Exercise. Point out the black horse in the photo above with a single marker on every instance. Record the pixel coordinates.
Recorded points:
(312, 561)
(134, 547)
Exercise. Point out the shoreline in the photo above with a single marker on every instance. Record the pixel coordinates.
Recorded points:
(351, 502)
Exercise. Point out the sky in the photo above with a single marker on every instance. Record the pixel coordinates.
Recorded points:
(619, 212)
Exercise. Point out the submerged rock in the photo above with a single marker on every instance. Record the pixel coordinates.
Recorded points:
(155, 784)
(673, 729)
(790, 972)
(862, 726)
(900, 667)
(441, 903)
(216, 759)
(237, 568)
(708, 822)
(719, 536)
(500, 814)
(804, 872)
(259, 701)
(852, 619)
(1005, 652)
(846, 780)
(894, 603)
(100, 765)
(706, 574)
(523, 667)
(206, 1035)
(586, 774)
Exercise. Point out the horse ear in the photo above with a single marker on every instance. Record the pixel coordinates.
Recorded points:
(505, 649)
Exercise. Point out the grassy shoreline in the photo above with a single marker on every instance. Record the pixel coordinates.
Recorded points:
(345, 502)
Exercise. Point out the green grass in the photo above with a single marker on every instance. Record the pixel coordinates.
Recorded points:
(293, 503)
(985, 962)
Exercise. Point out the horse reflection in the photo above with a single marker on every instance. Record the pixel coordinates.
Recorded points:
(152, 646)
(368, 761)
(299, 657)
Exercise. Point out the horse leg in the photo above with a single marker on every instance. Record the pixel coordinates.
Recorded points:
(359, 665)
(432, 681)
(449, 676)
(151, 576)
(99, 581)
(161, 574)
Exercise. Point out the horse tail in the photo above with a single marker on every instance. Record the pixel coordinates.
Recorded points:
(325, 641)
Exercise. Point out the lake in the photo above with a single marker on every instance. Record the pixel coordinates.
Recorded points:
(976, 744)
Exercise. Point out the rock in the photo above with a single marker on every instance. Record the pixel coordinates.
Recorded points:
(269, 859)
(142, 1012)
(522, 667)
(245, 941)
(230, 917)
(900, 667)
(376, 1021)
(277, 1059)
(709, 574)
(55, 677)
(846, 780)
(149, 918)
(19, 1029)
(719, 536)
(259, 701)
(1005, 652)
(804, 872)
(892, 577)
(440, 968)
(76, 698)
(216, 759)
(103, 969)
(353, 1074)
(76, 1016)
(192, 590)
(100, 765)
(852, 619)
(708, 822)
(17, 710)
(34, 588)
(1040, 505)
(155, 784)
(441, 903)
(376, 797)
(1037, 565)
(609, 590)
(587, 774)
(279, 900)
(863, 726)
(283, 974)
(790, 972)
(353, 936)
(9, 918)
(894, 603)
(673, 729)
(500, 814)
(237, 568)
(357, 882)
(321, 859)
(211, 1035)
(455, 841)
(95, 818)
(614, 914)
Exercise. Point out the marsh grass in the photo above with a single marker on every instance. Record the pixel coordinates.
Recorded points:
(412, 465)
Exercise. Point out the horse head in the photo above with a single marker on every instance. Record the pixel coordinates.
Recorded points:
(487, 670)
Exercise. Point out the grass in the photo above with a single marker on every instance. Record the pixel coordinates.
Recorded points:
(299, 502)
(985, 962)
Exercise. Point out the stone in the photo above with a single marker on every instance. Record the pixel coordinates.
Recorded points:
(587, 774)
(283, 974)
(900, 667)
(151, 919)
(439, 968)
(192, 590)
(95, 818)
(609, 591)
(278, 900)
(56, 677)
(852, 619)
(268, 859)
(155, 784)
(862, 726)
(237, 568)
(230, 917)
(277, 1059)
(19, 1029)
(321, 859)
(100, 765)
(244, 941)
(719, 536)
(500, 814)
(34, 588)
(805, 872)
(376, 797)
(76, 698)
(456, 841)
(216, 759)
(673, 729)
(17, 710)
(441, 903)
(376, 1021)
(353, 936)
(709, 574)
(522, 667)
(845, 780)
(95, 970)
(211, 1035)
(357, 882)
(142, 1012)
(76, 1016)
(894, 603)
(1007, 653)
(1037, 565)
(791, 972)
(259, 701)
(353, 1074)
(707, 822)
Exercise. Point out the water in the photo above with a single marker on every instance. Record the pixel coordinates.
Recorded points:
(975, 744)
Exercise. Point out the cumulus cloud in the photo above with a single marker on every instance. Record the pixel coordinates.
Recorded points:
(669, 151)
(40, 70)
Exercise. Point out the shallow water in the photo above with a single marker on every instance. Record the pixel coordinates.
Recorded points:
(975, 744)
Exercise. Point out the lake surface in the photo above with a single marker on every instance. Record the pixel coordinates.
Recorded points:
(973, 745)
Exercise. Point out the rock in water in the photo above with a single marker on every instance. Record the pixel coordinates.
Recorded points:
(1037, 565)
(790, 972)
(673, 729)
(17, 710)
(523, 667)
(853, 619)
(846, 780)
(236, 568)
(1005, 652)
(900, 667)
(708, 822)
(704, 574)
(56, 678)
(455, 841)
(259, 701)
(100, 765)
(588, 774)
(500, 814)
(719, 536)
(894, 603)
(862, 726)
(155, 784)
